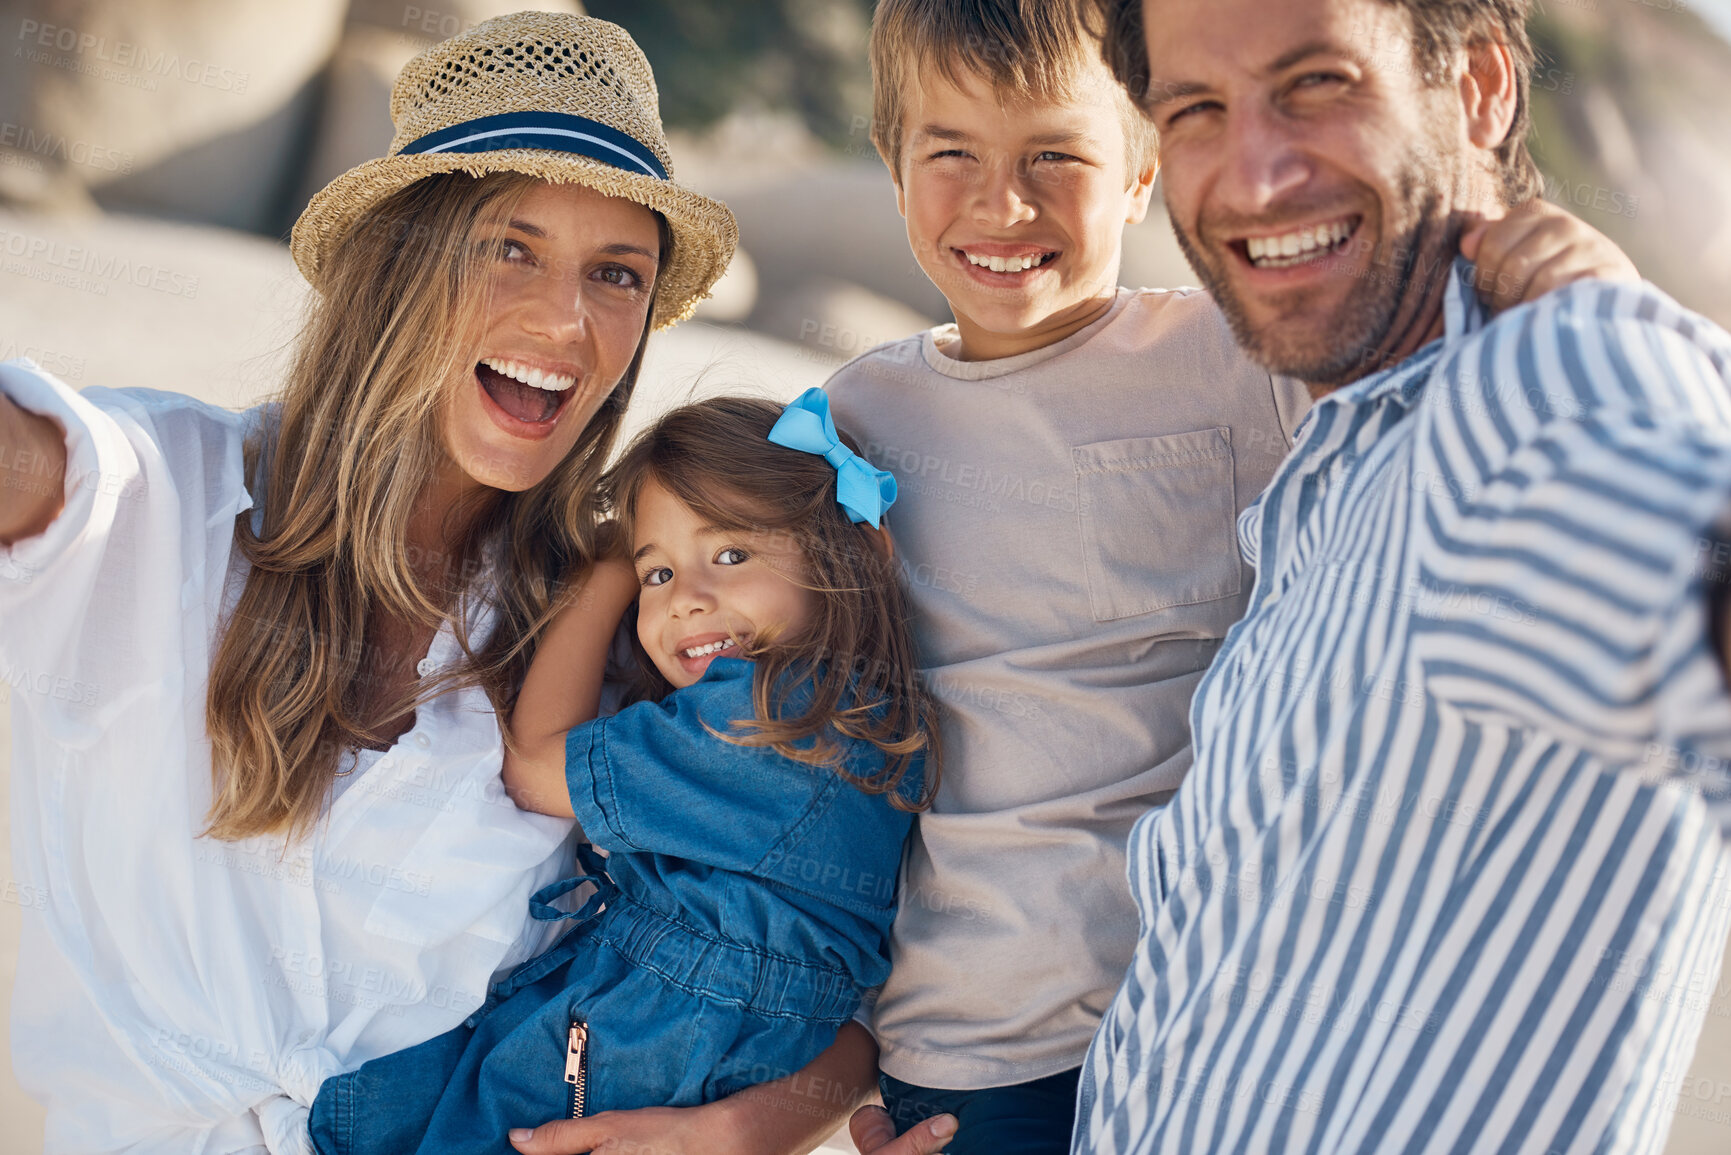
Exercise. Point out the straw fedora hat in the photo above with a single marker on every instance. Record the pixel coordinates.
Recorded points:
(569, 99)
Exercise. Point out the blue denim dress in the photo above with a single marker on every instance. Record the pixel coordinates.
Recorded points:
(745, 906)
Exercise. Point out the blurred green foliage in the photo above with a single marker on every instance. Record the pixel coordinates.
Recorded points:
(807, 57)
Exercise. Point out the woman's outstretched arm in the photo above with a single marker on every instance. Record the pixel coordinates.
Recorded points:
(563, 686)
(32, 472)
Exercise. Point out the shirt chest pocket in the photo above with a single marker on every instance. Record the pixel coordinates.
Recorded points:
(1157, 522)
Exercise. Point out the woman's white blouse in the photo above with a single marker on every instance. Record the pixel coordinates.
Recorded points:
(176, 993)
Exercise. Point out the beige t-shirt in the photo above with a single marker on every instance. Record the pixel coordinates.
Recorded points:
(1066, 523)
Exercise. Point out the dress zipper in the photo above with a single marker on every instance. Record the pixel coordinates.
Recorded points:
(577, 1065)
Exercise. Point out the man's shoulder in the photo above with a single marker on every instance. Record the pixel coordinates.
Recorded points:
(1597, 347)
(1611, 305)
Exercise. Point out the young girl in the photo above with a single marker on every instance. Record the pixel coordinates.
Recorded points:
(752, 807)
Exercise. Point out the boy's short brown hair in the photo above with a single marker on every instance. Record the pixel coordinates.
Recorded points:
(1029, 49)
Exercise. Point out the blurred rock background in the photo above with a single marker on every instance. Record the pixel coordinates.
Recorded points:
(232, 112)
(154, 153)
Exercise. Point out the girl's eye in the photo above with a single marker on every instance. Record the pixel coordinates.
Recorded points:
(660, 575)
(731, 556)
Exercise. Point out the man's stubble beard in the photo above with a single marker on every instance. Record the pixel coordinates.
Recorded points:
(1381, 310)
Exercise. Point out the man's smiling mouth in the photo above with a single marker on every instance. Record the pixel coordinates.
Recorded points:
(1313, 242)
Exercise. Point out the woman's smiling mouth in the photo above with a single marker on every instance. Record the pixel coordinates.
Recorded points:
(524, 393)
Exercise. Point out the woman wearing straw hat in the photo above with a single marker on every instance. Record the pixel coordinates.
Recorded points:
(261, 656)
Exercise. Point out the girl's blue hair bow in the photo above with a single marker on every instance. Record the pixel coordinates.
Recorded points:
(863, 490)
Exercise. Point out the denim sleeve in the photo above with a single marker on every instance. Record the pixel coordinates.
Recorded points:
(654, 779)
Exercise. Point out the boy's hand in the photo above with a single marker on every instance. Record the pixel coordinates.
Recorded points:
(1536, 248)
(874, 1133)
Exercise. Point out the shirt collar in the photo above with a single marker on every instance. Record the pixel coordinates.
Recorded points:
(1462, 312)
(1462, 316)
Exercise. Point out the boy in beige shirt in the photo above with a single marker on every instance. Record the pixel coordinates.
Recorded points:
(1072, 459)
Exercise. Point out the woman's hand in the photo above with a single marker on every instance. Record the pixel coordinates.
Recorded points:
(690, 1131)
(648, 1131)
(1539, 247)
(788, 1116)
(32, 472)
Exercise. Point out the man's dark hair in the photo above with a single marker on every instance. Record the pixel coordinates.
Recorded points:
(1440, 30)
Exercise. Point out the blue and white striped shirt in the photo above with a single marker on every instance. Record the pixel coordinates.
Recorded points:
(1448, 873)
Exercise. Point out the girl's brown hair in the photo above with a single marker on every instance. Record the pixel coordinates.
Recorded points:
(356, 441)
(857, 654)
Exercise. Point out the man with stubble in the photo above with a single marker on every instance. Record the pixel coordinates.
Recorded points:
(1459, 792)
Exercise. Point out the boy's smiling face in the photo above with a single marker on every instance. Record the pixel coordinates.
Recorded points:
(1041, 190)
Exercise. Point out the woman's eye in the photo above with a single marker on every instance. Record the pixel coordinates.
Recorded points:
(660, 575)
(620, 275)
(514, 251)
(731, 556)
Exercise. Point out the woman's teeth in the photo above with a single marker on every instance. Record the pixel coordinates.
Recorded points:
(1295, 248)
(711, 648)
(534, 378)
(1008, 264)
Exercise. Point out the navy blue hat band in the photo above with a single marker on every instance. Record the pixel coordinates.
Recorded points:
(557, 131)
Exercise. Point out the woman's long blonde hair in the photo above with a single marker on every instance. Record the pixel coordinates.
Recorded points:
(342, 468)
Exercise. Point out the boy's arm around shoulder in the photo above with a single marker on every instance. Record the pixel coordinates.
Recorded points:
(1536, 249)
(563, 686)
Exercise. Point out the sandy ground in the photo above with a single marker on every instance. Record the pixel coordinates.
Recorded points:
(135, 303)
